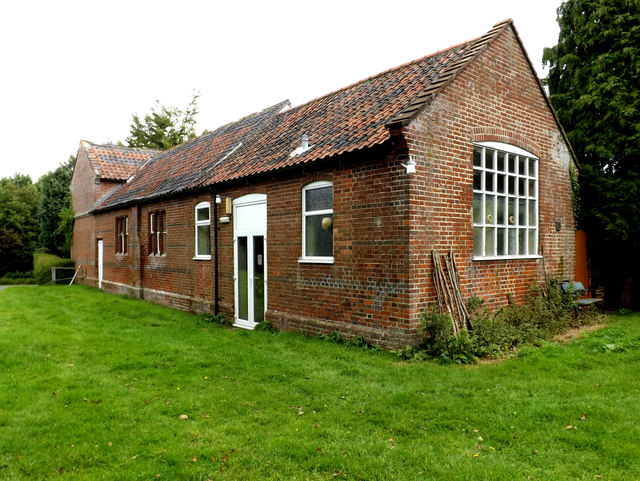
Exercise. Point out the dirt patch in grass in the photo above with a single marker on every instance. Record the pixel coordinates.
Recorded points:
(576, 332)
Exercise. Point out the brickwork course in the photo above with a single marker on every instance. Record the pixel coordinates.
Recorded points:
(386, 221)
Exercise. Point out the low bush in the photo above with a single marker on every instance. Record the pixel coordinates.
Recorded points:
(17, 278)
(42, 264)
(546, 312)
(214, 319)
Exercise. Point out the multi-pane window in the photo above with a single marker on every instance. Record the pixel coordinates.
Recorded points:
(505, 201)
(317, 227)
(157, 233)
(122, 235)
(203, 231)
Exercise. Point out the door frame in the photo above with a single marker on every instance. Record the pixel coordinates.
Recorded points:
(100, 272)
(245, 226)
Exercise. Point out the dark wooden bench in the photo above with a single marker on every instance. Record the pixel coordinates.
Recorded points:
(577, 290)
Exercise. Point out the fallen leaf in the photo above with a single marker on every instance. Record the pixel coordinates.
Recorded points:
(195, 459)
(183, 417)
(134, 457)
(583, 417)
(319, 448)
(569, 427)
(479, 447)
(480, 438)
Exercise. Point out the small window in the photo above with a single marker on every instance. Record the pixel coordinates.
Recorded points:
(122, 235)
(317, 222)
(157, 233)
(505, 202)
(203, 231)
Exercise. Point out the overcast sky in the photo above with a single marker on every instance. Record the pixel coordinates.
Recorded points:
(78, 70)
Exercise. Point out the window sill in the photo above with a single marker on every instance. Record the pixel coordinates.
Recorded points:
(506, 258)
(316, 260)
(202, 258)
(157, 255)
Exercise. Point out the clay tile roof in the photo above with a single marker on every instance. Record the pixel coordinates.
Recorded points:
(353, 118)
(116, 162)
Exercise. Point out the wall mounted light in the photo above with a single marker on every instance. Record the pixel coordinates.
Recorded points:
(218, 199)
(558, 225)
(224, 220)
(410, 165)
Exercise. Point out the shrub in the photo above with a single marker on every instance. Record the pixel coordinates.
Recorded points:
(264, 326)
(42, 264)
(439, 340)
(214, 319)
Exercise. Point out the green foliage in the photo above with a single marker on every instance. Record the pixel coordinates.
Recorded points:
(215, 319)
(594, 86)
(16, 278)
(55, 214)
(264, 326)
(18, 223)
(164, 127)
(357, 341)
(440, 342)
(42, 264)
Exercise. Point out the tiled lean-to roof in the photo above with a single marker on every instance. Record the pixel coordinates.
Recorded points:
(115, 162)
(356, 117)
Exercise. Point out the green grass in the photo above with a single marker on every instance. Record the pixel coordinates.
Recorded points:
(92, 386)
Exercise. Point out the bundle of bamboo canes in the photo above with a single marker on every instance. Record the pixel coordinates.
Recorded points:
(449, 292)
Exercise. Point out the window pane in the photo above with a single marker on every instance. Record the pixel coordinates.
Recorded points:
(477, 241)
(202, 214)
(477, 180)
(243, 279)
(203, 240)
(512, 210)
(512, 242)
(532, 242)
(522, 186)
(489, 159)
(258, 279)
(522, 165)
(319, 241)
(502, 183)
(512, 163)
(522, 241)
(319, 199)
(489, 217)
(477, 208)
(489, 247)
(532, 188)
(502, 162)
(477, 156)
(532, 213)
(522, 212)
(512, 185)
(502, 210)
(488, 181)
(502, 241)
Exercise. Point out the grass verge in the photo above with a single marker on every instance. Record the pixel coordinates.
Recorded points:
(94, 385)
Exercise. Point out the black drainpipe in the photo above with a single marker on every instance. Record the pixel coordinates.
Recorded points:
(215, 252)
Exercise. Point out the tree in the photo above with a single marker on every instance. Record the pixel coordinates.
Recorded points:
(594, 86)
(18, 224)
(55, 198)
(164, 127)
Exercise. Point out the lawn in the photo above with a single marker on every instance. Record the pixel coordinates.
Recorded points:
(96, 386)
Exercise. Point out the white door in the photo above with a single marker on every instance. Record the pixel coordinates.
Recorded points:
(250, 259)
(100, 262)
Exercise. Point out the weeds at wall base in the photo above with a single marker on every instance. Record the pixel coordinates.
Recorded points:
(546, 312)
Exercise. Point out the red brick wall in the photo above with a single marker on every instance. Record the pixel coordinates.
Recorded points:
(494, 99)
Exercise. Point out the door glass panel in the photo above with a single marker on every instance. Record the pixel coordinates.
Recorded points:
(258, 278)
(243, 280)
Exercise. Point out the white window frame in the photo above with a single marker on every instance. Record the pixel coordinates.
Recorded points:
(158, 234)
(521, 225)
(198, 223)
(314, 259)
(123, 235)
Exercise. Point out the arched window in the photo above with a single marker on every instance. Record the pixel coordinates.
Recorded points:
(203, 231)
(505, 201)
(317, 222)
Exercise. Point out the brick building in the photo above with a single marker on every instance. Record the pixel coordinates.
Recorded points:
(323, 217)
